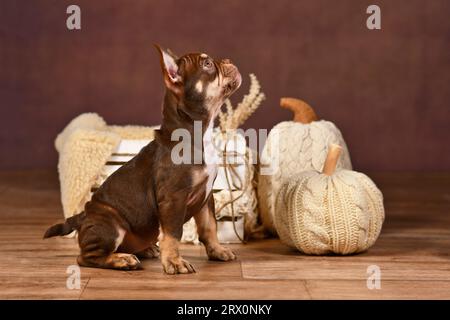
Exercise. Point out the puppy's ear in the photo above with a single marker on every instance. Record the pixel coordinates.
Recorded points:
(169, 67)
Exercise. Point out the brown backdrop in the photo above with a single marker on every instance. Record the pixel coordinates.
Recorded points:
(388, 91)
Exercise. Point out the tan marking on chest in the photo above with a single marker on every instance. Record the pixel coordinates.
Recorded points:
(199, 86)
(210, 156)
(120, 237)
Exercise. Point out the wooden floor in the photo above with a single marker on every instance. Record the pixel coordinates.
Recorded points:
(412, 253)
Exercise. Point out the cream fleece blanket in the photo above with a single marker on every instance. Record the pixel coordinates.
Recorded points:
(84, 146)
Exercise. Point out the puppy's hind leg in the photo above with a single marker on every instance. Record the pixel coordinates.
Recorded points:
(150, 252)
(98, 243)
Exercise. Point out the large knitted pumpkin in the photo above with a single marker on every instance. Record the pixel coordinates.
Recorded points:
(330, 212)
(293, 147)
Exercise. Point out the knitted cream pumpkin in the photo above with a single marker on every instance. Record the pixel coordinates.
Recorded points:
(331, 212)
(293, 147)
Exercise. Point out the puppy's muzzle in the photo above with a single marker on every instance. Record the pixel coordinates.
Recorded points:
(231, 75)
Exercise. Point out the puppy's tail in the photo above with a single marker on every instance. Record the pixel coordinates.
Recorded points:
(62, 229)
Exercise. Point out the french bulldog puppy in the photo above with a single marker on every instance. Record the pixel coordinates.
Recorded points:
(153, 193)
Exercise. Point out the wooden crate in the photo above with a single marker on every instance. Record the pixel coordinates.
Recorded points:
(127, 149)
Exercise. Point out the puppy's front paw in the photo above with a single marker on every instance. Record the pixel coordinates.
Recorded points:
(177, 265)
(221, 253)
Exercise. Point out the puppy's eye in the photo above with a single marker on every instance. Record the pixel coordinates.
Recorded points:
(207, 64)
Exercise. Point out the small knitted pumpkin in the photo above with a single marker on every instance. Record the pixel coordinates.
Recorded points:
(293, 147)
(330, 212)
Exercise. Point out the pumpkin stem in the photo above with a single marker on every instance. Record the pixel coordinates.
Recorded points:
(303, 112)
(334, 151)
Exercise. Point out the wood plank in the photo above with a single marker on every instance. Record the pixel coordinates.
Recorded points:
(38, 287)
(189, 287)
(343, 268)
(344, 289)
(385, 249)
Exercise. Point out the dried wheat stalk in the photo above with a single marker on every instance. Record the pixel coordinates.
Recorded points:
(232, 118)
